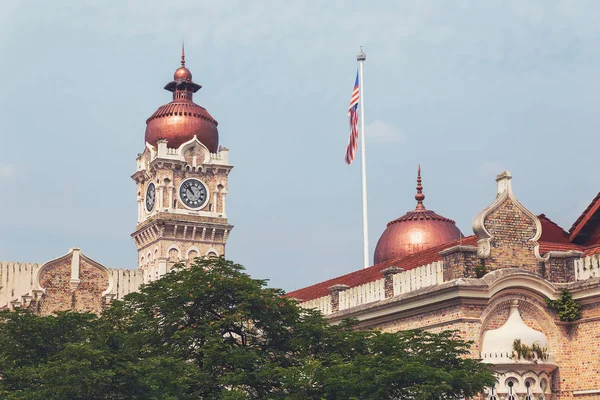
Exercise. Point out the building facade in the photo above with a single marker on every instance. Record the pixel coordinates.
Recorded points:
(181, 188)
(491, 287)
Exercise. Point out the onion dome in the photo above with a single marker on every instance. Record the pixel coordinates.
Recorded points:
(415, 231)
(182, 119)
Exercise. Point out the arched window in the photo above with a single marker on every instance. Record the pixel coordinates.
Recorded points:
(528, 387)
(492, 395)
(192, 256)
(173, 255)
(511, 390)
(544, 387)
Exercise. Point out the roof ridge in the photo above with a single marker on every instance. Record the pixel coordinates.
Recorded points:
(582, 215)
(542, 215)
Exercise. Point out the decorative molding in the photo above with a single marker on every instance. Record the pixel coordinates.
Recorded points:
(392, 270)
(583, 392)
(338, 288)
(458, 249)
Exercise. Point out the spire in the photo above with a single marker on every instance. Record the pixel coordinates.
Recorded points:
(182, 54)
(419, 196)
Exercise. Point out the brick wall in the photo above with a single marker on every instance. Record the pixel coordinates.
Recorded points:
(511, 231)
(59, 296)
(460, 262)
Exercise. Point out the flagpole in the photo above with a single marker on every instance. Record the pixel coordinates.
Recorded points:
(361, 57)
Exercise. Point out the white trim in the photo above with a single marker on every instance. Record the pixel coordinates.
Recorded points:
(212, 250)
(193, 142)
(186, 211)
(589, 391)
(193, 248)
(523, 280)
(171, 247)
(205, 187)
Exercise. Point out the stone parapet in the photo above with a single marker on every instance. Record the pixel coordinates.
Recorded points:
(460, 262)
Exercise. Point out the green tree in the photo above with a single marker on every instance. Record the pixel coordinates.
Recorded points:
(212, 332)
(566, 307)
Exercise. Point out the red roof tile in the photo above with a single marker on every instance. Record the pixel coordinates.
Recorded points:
(373, 273)
(595, 249)
(551, 232)
(552, 246)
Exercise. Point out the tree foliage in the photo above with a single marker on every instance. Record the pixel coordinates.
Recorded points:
(212, 332)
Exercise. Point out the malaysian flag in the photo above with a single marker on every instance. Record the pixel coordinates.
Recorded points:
(353, 114)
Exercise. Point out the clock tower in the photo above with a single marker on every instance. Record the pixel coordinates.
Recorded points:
(181, 181)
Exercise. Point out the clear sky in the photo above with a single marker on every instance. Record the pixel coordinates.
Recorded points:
(465, 88)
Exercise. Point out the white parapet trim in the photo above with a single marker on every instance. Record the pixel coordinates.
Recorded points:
(322, 304)
(406, 281)
(420, 277)
(125, 281)
(16, 280)
(362, 294)
(587, 267)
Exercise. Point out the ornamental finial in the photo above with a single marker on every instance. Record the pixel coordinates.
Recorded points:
(361, 56)
(182, 54)
(419, 196)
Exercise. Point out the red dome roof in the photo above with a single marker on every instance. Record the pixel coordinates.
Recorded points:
(415, 231)
(182, 119)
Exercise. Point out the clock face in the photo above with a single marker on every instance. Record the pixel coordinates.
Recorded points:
(150, 197)
(193, 193)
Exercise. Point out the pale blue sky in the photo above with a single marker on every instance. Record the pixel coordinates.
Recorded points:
(466, 88)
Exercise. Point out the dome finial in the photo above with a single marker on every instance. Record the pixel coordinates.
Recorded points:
(182, 54)
(419, 196)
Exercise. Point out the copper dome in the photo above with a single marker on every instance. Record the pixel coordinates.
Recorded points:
(182, 74)
(182, 119)
(415, 231)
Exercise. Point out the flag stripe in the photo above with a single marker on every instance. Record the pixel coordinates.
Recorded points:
(353, 119)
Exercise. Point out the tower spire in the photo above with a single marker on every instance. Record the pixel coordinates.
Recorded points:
(182, 54)
(419, 196)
